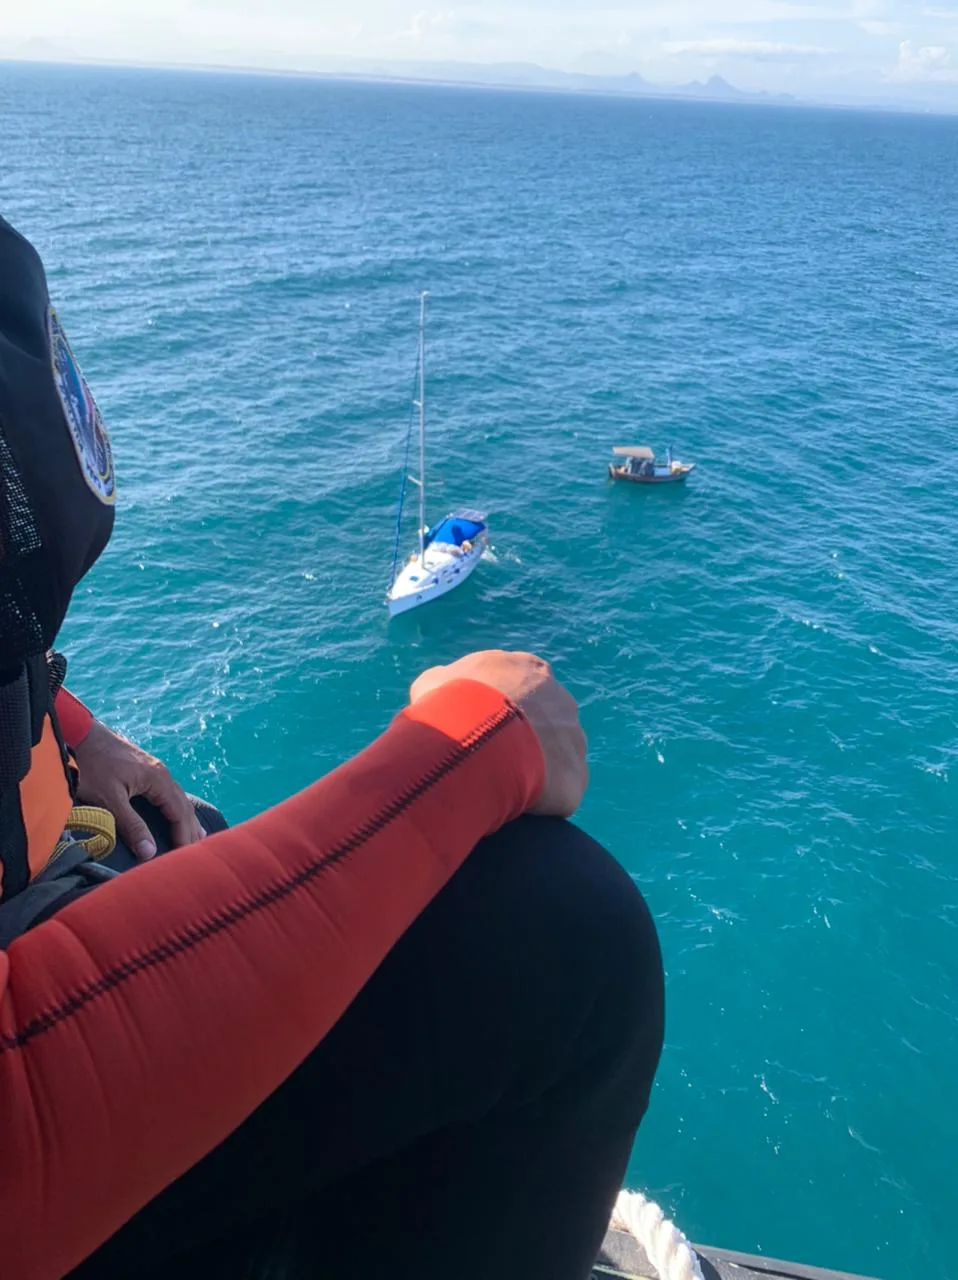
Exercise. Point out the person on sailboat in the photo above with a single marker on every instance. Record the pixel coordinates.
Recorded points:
(216, 1063)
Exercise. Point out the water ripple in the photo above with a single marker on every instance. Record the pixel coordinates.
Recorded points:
(766, 661)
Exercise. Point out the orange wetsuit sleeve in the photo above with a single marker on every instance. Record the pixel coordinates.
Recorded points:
(146, 1020)
(75, 719)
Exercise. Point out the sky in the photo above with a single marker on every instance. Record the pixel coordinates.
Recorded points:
(838, 50)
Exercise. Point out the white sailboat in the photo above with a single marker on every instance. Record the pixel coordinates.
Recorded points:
(450, 550)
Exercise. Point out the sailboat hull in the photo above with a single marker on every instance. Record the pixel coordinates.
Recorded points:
(444, 570)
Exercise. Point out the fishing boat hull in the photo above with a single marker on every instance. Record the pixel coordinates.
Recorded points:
(677, 475)
(444, 570)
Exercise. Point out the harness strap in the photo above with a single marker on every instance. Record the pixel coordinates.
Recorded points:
(37, 777)
(19, 733)
(100, 826)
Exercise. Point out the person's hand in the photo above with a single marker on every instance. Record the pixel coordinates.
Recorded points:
(113, 771)
(528, 682)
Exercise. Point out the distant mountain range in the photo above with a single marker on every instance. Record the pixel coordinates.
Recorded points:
(527, 75)
(499, 75)
(933, 97)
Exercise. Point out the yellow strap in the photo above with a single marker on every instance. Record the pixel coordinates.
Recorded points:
(101, 825)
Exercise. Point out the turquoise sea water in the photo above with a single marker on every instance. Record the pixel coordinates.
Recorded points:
(766, 660)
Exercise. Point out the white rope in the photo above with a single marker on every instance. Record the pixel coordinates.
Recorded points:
(664, 1244)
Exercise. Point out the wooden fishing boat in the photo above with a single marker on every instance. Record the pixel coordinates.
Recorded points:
(640, 465)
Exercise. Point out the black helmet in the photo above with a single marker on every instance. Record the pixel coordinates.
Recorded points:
(57, 485)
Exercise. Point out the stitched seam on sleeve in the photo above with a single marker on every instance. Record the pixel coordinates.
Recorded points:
(225, 917)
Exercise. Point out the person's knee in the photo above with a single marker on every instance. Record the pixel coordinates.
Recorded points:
(210, 818)
(536, 969)
(582, 919)
(568, 885)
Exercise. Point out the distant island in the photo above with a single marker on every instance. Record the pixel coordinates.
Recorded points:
(493, 75)
(520, 76)
(527, 75)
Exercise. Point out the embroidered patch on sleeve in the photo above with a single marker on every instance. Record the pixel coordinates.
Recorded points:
(90, 438)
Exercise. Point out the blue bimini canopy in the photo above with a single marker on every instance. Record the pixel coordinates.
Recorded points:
(455, 530)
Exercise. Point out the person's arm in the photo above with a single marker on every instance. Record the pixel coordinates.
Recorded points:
(75, 719)
(145, 1021)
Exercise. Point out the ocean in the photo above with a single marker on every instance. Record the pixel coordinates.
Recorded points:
(765, 658)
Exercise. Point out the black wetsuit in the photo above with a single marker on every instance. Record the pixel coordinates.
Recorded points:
(528, 996)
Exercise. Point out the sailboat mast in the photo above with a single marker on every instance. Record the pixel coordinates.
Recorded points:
(422, 429)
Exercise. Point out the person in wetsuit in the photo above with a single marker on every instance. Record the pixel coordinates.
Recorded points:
(405, 1024)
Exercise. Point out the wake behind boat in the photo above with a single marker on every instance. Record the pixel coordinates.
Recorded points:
(451, 549)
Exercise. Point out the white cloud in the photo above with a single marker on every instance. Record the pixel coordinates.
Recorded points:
(929, 64)
(810, 47)
(760, 50)
(873, 28)
(424, 22)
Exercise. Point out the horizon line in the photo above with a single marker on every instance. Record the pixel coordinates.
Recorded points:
(593, 88)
